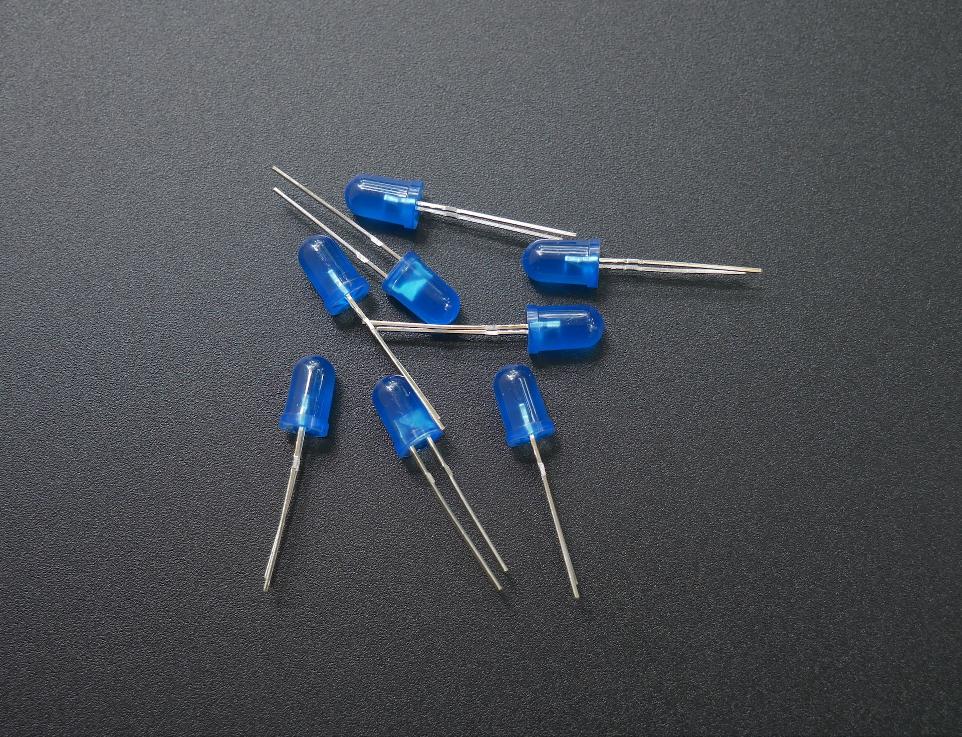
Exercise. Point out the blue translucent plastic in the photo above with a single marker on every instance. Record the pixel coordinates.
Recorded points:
(405, 417)
(422, 291)
(310, 396)
(569, 328)
(331, 273)
(563, 262)
(522, 408)
(385, 199)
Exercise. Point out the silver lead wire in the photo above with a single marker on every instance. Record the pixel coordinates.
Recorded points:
(321, 201)
(572, 578)
(464, 501)
(515, 226)
(285, 509)
(394, 359)
(391, 326)
(464, 534)
(357, 254)
(673, 267)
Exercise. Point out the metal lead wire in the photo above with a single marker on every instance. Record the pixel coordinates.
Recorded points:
(470, 216)
(391, 326)
(464, 501)
(357, 254)
(394, 359)
(321, 201)
(437, 492)
(572, 578)
(288, 496)
(673, 267)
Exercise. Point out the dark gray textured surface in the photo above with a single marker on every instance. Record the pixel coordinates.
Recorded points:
(760, 485)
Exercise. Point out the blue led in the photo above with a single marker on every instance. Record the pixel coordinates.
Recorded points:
(526, 421)
(307, 412)
(579, 263)
(412, 283)
(405, 417)
(563, 262)
(310, 396)
(522, 408)
(331, 273)
(385, 199)
(571, 328)
(401, 201)
(411, 427)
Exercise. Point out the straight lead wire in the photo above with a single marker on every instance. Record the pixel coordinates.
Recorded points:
(566, 556)
(454, 519)
(321, 201)
(357, 254)
(468, 507)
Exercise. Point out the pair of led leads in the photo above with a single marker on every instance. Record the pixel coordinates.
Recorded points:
(411, 428)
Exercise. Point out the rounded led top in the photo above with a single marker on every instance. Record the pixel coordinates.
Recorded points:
(522, 408)
(568, 328)
(563, 262)
(331, 273)
(385, 199)
(412, 283)
(309, 398)
(405, 417)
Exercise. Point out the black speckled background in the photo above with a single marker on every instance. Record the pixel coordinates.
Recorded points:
(760, 484)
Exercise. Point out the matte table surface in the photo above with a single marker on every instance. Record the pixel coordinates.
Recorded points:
(759, 480)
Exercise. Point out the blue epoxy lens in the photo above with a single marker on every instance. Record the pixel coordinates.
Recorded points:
(522, 408)
(385, 199)
(563, 262)
(569, 328)
(405, 417)
(310, 396)
(412, 283)
(331, 273)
